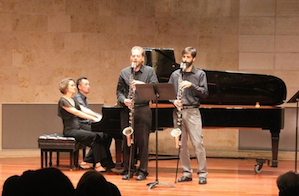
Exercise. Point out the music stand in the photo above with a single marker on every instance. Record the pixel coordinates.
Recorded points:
(162, 91)
(295, 99)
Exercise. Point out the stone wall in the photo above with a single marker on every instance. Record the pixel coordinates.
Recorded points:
(45, 41)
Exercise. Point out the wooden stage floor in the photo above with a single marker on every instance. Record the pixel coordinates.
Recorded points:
(226, 177)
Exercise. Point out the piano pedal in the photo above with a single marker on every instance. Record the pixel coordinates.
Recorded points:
(259, 166)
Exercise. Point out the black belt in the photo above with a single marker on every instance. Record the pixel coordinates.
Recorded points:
(137, 105)
(190, 106)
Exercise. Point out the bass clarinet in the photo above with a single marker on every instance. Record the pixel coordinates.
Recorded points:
(128, 131)
(176, 133)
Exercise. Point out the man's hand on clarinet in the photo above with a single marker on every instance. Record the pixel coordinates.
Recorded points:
(128, 102)
(178, 104)
(185, 84)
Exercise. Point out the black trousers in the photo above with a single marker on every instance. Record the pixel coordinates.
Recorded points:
(90, 139)
(142, 126)
(106, 142)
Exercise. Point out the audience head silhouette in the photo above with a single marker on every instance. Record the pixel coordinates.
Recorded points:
(92, 183)
(288, 184)
(46, 182)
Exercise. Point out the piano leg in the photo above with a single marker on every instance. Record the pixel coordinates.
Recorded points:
(118, 154)
(275, 142)
(260, 161)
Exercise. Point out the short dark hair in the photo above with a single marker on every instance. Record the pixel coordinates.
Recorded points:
(191, 50)
(79, 81)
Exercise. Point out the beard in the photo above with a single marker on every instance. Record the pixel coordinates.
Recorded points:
(188, 64)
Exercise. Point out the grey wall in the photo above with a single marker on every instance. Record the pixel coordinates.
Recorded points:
(22, 124)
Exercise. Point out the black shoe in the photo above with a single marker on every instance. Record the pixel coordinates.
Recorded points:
(141, 176)
(184, 179)
(202, 180)
(127, 176)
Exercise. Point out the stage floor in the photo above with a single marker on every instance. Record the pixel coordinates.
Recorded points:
(226, 177)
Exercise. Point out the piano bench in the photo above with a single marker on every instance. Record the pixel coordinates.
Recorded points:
(56, 142)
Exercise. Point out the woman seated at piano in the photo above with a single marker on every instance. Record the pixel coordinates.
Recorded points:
(70, 111)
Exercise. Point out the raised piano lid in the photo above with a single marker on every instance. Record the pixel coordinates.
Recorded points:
(238, 88)
(225, 87)
(162, 60)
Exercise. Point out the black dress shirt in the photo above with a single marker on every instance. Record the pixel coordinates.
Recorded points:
(146, 74)
(82, 100)
(198, 89)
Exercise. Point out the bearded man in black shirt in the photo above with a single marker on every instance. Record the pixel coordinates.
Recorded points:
(129, 77)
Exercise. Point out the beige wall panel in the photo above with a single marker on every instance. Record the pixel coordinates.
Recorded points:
(43, 92)
(201, 60)
(24, 77)
(287, 43)
(163, 8)
(193, 7)
(127, 41)
(59, 23)
(86, 59)
(219, 8)
(184, 26)
(6, 40)
(287, 8)
(287, 61)
(9, 75)
(75, 41)
(41, 76)
(87, 23)
(59, 6)
(256, 43)
(230, 43)
(163, 25)
(52, 58)
(30, 22)
(126, 25)
(5, 22)
(23, 58)
(20, 40)
(257, 7)
(8, 5)
(222, 61)
(5, 58)
(287, 25)
(219, 139)
(209, 43)
(79, 7)
(14, 40)
(290, 77)
(104, 8)
(146, 25)
(178, 42)
(35, 6)
(221, 25)
(41, 40)
(6, 94)
(257, 25)
(22, 94)
(258, 61)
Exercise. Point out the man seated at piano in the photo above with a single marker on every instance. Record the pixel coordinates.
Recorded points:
(190, 83)
(70, 112)
(83, 87)
(141, 113)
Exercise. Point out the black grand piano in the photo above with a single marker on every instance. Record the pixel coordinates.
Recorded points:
(240, 100)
